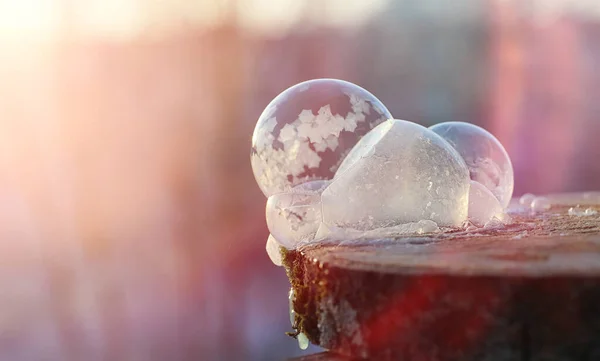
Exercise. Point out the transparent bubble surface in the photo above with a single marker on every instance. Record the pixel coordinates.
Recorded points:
(294, 216)
(526, 199)
(273, 251)
(483, 205)
(488, 162)
(306, 131)
(399, 173)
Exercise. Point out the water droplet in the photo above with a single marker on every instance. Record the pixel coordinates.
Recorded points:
(303, 341)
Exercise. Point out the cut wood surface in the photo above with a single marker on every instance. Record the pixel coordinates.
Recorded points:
(529, 290)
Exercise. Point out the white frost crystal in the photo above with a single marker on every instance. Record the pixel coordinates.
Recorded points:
(580, 212)
(273, 251)
(488, 162)
(483, 205)
(347, 234)
(294, 216)
(399, 173)
(306, 131)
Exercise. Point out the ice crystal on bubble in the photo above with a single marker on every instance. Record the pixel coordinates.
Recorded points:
(306, 131)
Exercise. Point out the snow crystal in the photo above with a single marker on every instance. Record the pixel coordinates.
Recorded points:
(306, 131)
(384, 181)
(488, 162)
(577, 211)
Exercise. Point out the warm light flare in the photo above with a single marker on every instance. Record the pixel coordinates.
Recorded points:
(28, 19)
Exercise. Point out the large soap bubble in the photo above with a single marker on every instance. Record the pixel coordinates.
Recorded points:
(488, 162)
(399, 173)
(306, 131)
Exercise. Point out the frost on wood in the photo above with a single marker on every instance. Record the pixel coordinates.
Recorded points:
(306, 131)
(399, 173)
(488, 162)
(350, 234)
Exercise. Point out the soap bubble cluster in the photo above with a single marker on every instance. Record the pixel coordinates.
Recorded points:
(399, 173)
(306, 131)
(334, 164)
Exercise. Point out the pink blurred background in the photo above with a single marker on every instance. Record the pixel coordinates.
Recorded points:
(131, 226)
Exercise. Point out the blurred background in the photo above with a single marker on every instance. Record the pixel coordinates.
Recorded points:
(131, 227)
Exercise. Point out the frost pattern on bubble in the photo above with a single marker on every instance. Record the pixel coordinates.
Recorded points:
(273, 251)
(483, 205)
(399, 173)
(307, 130)
(488, 162)
(294, 216)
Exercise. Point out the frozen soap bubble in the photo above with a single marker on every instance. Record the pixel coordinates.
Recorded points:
(483, 205)
(294, 216)
(488, 162)
(399, 173)
(526, 199)
(273, 251)
(306, 131)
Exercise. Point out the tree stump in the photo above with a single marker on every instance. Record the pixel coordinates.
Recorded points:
(526, 291)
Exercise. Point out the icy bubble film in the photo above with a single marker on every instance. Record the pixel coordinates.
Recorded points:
(488, 162)
(307, 130)
(294, 216)
(348, 234)
(400, 173)
(483, 205)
